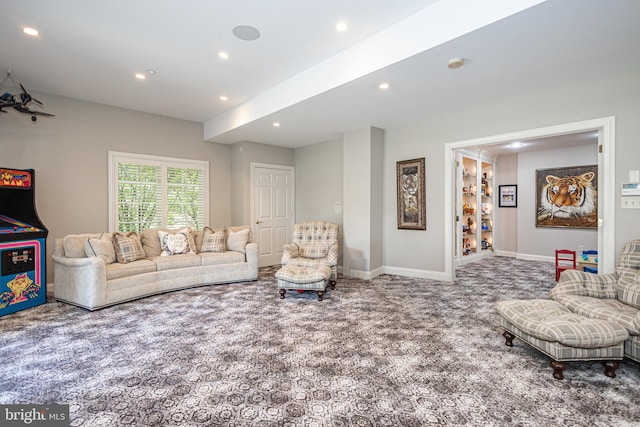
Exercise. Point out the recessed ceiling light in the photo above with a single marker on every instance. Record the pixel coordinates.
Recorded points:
(516, 144)
(383, 86)
(140, 76)
(342, 26)
(223, 98)
(30, 31)
(455, 63)
(223, 55)
(276, 124)
(152, 72)
(246, 32)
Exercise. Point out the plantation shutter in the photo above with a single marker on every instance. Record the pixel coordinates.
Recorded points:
(157, 192)
(139, 196)
(183, 187)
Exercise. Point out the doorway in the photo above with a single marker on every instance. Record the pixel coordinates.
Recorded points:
(272, 201)
(606, 183)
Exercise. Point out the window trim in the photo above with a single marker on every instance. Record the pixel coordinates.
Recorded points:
(115, 157)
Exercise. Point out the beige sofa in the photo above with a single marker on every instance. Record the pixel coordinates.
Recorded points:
(88, 274)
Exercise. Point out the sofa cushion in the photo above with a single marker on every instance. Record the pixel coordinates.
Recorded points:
(175, 243)
(308, 262)
(118, 270)
(237, 240)
(176, 261)
(605, 309)
(101, 248)
(128, 247)
(214, 241)
(151, 241)
(628, 290)
(313, 251)
(217, 258)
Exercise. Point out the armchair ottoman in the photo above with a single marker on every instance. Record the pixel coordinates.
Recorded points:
(564, 336)
(304, 278)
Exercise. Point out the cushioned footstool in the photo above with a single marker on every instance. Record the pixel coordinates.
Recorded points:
(564, 336)
(304, 278)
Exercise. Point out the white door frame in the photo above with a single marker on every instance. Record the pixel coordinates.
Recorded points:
(606, 183)
(252, 169)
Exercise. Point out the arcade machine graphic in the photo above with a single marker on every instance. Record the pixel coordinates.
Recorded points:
(23, 279)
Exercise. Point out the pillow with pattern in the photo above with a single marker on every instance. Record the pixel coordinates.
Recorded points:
(176, 243)
(128, 247)
(214, 241)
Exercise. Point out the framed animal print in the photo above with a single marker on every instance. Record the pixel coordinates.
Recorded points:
(411, 194)
(567, 197)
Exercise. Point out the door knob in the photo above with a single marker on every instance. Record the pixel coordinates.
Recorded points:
(258, 222)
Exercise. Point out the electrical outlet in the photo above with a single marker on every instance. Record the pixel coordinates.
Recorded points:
(628, 202)
(580, 248)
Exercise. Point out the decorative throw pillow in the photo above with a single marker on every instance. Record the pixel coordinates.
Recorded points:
(177, 243)
(313, 251)
(214, 241)
(73, 245)
(101, 248)
(237, 240)
(128, 247)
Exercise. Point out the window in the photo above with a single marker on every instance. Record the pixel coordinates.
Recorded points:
(157, 192)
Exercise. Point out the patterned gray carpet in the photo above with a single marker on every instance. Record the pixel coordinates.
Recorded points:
(393, 351)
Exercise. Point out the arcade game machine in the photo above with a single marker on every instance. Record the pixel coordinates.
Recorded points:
(23, 278)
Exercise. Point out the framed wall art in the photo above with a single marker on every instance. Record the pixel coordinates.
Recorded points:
(508, 196)
(567, 197)
(411, 194)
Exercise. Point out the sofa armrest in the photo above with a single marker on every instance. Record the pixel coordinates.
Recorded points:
(574, 282)
(252, 258)
(289, 251)
(80, 281)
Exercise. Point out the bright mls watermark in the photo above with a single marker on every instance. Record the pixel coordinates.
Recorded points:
(53, 415)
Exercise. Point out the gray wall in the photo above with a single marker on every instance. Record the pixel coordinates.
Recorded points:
(319, 182)
(505, 236)
(69, 154)
(542, 241)
(502, 114)
(242, 155)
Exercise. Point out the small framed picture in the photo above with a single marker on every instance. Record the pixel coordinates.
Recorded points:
(508, 196)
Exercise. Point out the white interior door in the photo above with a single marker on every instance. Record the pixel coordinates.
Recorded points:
(272, 210)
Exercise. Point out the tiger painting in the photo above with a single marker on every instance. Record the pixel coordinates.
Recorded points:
(569, 198)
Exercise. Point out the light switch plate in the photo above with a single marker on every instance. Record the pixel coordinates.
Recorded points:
(634, 176)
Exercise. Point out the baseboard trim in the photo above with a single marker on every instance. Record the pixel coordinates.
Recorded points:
(529, 257)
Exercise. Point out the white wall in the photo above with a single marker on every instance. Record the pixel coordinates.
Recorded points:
(501, 114)
(542, 241)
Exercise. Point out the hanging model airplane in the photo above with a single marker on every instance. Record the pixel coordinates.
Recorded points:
(20, 101)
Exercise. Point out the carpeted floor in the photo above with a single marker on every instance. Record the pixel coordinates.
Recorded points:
(393, 351)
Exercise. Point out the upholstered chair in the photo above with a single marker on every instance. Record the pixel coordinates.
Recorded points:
(314, 244)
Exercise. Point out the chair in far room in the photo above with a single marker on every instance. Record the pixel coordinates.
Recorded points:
(565, 260)
(590, 257)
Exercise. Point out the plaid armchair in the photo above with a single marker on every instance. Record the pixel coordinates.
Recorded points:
(614, 296)
(314, 244)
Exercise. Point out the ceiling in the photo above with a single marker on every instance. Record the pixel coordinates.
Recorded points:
(315, 81)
